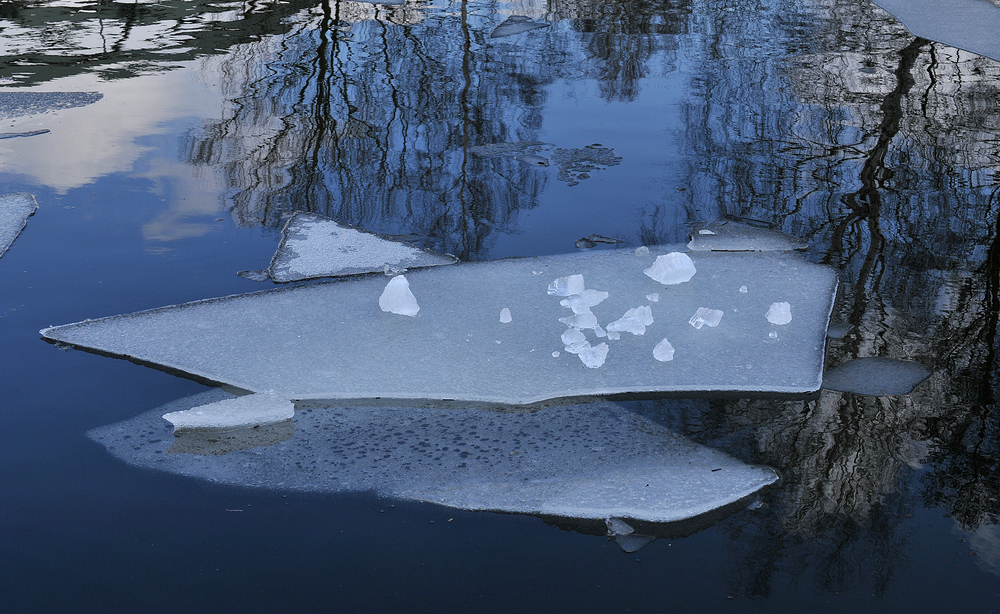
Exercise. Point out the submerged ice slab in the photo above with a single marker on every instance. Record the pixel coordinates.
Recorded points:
(516, 24)
(314, 246)
(587, 461)
(15, 209)
(875, 376)
(238, 412)
(330, 341)
(730, 236)
(973, 25)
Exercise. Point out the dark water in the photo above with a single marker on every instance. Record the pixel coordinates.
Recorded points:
(825, 119)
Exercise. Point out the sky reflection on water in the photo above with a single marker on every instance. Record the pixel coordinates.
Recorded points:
(825, 119)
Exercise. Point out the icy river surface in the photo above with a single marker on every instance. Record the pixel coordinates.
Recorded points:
(167, 144)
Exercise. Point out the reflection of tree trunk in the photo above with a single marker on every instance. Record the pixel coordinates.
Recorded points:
(464, 101)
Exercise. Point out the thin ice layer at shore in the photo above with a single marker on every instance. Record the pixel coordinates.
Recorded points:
(332, 341)
(315, 246)
(15, 209)
(587, 461)
(730, 236)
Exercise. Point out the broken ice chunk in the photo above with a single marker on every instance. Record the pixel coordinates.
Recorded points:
(15, 209)
(705, 316)
(594, 357)
(779, 313)
(555, 354)
(672, 268)
(397, 298)
(653, 298)
(743, 289)
(242, 412)
(577, 347)
(600, 332)
(705, 232)
(641, 252)
(580, 320)
(614, 336)
(582, 302)
(617, 526)
(572, 336)
(567, 286)
(634, 321)
(505, 316)
(663, 351)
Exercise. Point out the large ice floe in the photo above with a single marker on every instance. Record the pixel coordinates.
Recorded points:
(331, 340)
(314, 246)
(973, 25)
(586, 461)
(15, 209)
(19, 104)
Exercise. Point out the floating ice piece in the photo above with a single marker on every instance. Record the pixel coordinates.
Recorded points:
(593, 357)
(663, 351)
(592, 241)
(315, 246)
(729, 236)
(575, 165)
(744, 289)
(582, 302)
(516, 24)
(505, 316)
(672, 268)
(606, 462)
(875, 376)
(531, 159)
(617, 526)
(653, 298)
(239, 412)
(779, 313)
(580, 320)
(567, 286)
(634, 321)
(600, 332)
(837, 331)
(15, 209)
(327, 341)
(13, 135)
(632, 542)
(19, 104)
(966, 24)
(641, 252)
(397, 298)
(706, 317)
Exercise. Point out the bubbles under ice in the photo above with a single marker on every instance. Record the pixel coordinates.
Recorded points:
(397, 298)
(672, 268)
(779, 313)
(567, 286)
(705, 317)
(663, 351)
(594, 357)
(505, 316)
(634, 321)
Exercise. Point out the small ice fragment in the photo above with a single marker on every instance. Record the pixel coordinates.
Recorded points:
(773, 334)
(580, 320)
(642, 251)
(567, 286)
(705, 232)
(613, 336)
(634, 321)
(572, 336)
(672, 268)
(555, 354)
(705, 316)
(576, 348)
(594, 357)
(653, 298)
(582, 302)
(505, 316)
(743, 289)
(779, 313)
(617, 526)
(397, 298)
(600, 332)
(663, 351)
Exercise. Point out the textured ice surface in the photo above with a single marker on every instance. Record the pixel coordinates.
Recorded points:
(314, 246)
(588, 461)
(779, 313)
(18, 104)
(706, 317)
(973, 25)
(634, 321)
(516, 24)
(239, 412)
(397, 298)
(875, 376)
(329, 340)
(15, 209)
(567, 286)
(729, 236)
(575, 165)
(663, 351)
(505, 316)
(672, 268)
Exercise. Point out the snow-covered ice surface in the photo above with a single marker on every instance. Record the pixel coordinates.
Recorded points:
(330, 340)
(15, 209)
(729, 236)
(875, 376)
(973, 25)
(239, 412)
(586, 461)
(314, 246)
